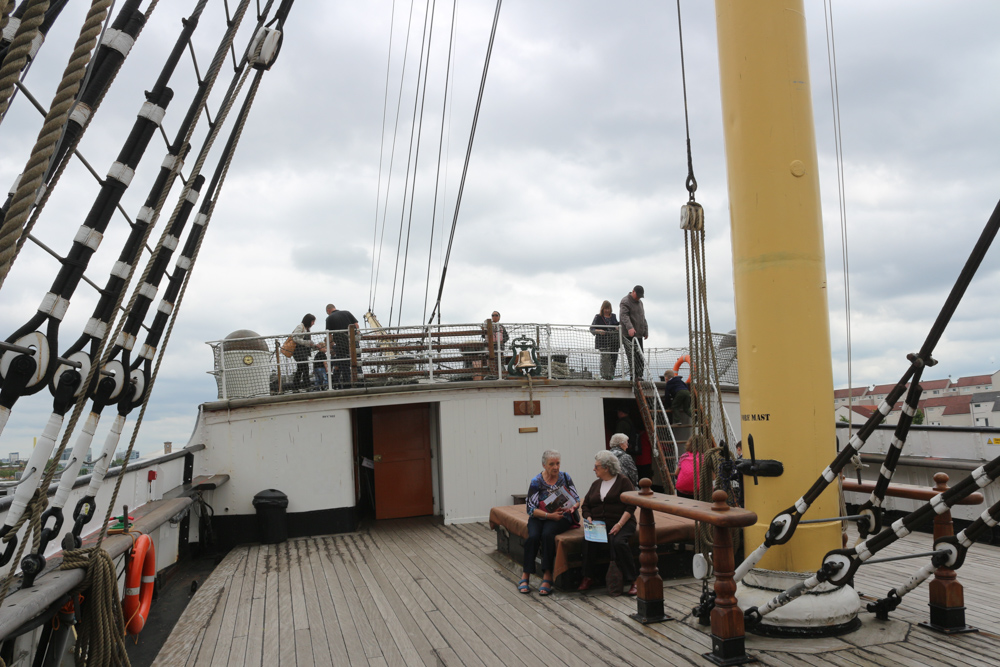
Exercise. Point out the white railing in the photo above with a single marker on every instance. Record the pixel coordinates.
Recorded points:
(332, 360)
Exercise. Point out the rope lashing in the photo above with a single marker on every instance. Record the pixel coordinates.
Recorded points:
(101, 632)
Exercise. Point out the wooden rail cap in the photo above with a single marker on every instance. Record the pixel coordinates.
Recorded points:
(909, 491)
(716, 513)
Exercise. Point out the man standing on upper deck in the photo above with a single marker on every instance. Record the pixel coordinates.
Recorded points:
(633, 320)
(341, 321)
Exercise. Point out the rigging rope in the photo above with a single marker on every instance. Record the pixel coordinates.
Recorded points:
(37, 506)
(706, 402)
(691, 183)
(468, 156)
(831, 50)
(437, 178)
(208, 207)
(52, 128)
(392, 158)
(381, 154)
(5, 10)
(416, 164)
(409, 157)
(20, 47)
(64, 153)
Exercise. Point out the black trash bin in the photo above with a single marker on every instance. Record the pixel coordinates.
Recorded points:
(272, 522)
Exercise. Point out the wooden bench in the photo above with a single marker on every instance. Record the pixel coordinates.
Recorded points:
(511, 524)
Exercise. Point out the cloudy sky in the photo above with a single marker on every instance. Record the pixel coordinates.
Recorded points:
(574, 184)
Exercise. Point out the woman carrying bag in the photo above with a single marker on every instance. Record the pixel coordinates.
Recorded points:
(302, 352)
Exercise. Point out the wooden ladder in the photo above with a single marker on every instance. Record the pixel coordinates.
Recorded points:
(655, 419)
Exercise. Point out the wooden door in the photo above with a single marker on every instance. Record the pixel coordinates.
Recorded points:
(402, 449)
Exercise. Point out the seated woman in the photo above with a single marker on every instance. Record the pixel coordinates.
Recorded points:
(603, 503)
(552, 500)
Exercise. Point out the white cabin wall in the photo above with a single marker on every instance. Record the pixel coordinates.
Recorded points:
(302, 449)
(485, 459)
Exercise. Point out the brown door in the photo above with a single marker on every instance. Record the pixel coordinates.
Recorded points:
(402, 448)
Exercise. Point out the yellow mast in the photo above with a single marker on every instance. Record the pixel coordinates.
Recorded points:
(783, 335)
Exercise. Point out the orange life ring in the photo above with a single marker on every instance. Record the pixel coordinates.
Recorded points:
(680, 362)
(139, 584)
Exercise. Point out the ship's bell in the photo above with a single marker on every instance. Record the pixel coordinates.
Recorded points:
(524, 360)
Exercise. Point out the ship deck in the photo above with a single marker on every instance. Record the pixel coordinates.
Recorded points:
(416, 592)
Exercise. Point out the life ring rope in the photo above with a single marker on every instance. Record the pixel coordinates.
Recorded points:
(140, 579)
(680, 362)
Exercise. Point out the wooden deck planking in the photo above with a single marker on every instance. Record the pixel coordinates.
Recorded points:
(285, 621)
(269, 633)
(345, 619)
(420, 593)
(503, 598)
(202, 617)
(528, 621)
(255, 621)
(461, 630)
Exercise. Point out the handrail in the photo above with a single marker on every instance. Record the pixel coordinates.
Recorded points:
(84, 480)
(253, 366)
(697, 510)
(908, 491)
(728, 636)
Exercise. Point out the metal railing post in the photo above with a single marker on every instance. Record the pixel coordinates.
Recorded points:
(329, 362)
(430, 352)
(498, 340)
(548, 349)
(222, 369)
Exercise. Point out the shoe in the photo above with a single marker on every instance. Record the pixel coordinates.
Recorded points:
(586, 584)
(546, 587)
(523, 587)
(633, 591)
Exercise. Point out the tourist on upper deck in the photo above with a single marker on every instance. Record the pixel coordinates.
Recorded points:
(496, 340)
(303, 348)
(551, 503)
(634, 327)
(605, 330)
(340, 321)
(603, 503)
(619, 447)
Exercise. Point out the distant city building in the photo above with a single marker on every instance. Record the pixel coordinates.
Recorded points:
(14, 458)
(968, 401)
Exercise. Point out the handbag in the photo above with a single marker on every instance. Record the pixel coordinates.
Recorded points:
(288, 347)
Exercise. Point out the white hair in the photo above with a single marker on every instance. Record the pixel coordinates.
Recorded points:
(609, 462)
(618, 439)
(550, 454)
